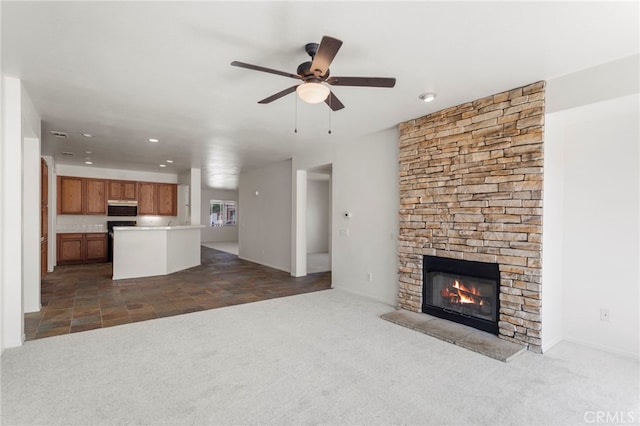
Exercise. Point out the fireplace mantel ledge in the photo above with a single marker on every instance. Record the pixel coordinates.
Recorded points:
(458, 334)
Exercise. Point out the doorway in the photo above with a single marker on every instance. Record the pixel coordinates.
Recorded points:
(318, 223)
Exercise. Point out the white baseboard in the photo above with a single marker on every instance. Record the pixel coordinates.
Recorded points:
(279, 268)
(546, 345)
(393, 304)
(604, 348)
(31, 309)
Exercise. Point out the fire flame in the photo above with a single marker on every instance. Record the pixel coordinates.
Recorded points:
(466, 295)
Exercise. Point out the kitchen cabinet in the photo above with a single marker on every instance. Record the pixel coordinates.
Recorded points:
(123, 190)
(82, 248)
(70, 248)
(82, 195)
(89, 196)
(167, 199)
(147, 198)
(95, 196)
(70, 191)
(159, 199)
(95, 247)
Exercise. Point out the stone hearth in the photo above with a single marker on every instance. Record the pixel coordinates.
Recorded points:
(471, 188)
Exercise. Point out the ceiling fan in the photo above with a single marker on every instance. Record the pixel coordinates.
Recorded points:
(315, 73)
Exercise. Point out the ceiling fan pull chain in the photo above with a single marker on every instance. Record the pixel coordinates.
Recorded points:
(330, 109)
(295, 130)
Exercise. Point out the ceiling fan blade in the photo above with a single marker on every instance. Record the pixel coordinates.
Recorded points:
(362, 81)
(327, 50)
(278, 95)
(263, 69)
(333, 102)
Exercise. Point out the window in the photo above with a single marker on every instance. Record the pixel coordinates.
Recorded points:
(222, 213)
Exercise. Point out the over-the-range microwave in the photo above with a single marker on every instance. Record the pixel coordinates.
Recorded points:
(122, 208)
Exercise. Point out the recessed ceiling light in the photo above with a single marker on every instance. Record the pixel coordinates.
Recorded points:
(87, 135)
(88, 162)
(427, 97)
(88, 152)
(169, 161)
(163, 165)
(153, 140)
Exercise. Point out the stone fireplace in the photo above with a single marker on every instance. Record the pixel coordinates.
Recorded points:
(471, 189)
(462, 291)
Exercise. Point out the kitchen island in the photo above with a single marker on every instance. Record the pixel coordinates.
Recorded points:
(145, 251)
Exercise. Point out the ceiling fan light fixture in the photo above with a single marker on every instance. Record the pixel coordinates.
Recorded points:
(427, 97)
(313, 93)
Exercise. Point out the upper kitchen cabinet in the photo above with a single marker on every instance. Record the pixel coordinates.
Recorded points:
(123, 190)
(81, 195)
(95, 196)
(159, 199)
(70, 191)
(147, 198)
(167, 199)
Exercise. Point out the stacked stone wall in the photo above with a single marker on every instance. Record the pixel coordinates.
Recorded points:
(471, 188)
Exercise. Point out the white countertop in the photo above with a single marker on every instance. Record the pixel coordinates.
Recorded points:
(80, 231)
(156, 228)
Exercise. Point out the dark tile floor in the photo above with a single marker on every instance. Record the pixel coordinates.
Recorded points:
(84, 297)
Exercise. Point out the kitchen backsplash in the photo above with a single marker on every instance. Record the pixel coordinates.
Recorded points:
(93, 223)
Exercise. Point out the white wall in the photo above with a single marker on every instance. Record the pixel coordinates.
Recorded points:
(2, 198)
(5, 198)
(219, 233)
(318, 214)
(31, 204)
(596, 148)
(31, 223)
(51, 252)
(192, 179)
(596, 84)
(20, 121)
(264, 230)
(194, 193)
(365, 183)
(184, 198)
(552, 236)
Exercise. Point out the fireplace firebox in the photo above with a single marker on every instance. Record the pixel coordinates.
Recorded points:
(463, 291)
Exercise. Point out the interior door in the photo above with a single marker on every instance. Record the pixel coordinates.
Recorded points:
(44, 217)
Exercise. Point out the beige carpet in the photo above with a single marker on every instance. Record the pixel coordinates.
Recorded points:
(323, 357)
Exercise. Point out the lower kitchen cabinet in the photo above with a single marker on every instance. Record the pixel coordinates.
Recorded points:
(95, 247)
(82, 248)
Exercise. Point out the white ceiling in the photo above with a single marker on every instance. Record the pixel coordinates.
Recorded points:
(126, 72)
